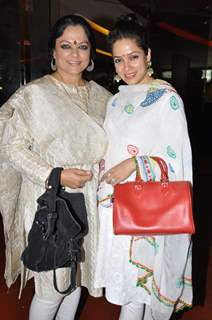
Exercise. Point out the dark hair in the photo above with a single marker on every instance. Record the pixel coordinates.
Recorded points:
(128, 26)
(68, 21)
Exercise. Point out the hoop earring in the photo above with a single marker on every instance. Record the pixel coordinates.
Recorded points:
(116, 78)
(53, 64)
(90, 67)
(150, 70)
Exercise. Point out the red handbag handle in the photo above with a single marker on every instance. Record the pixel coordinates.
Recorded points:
(163, 168)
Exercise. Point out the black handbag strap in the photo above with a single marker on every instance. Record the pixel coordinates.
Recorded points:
(75, 249)
(53, 188)
(73, 281)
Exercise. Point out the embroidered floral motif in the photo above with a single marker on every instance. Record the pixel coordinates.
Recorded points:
(141, 266)
(150, 240)
(129, 108)
(142, 283)
(168, 302)
(106, 202)
(174, 103)
(133, 150)
(160, 297)
(152, 96)
(171, 152)
(182, 305)
(137, 263)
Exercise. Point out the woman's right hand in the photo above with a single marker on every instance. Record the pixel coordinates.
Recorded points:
(75, 178)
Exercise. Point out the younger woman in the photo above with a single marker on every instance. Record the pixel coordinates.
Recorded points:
(150, 277)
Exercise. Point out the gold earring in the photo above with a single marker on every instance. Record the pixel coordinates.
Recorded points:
(150, 70)
(117, 78)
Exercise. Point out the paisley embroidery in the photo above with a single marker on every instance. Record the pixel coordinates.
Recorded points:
(174, 103)
(129, 108)
(152, 96)
(171, 152)
(133, 150)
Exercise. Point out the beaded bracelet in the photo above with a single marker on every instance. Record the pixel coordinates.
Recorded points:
(145, 167)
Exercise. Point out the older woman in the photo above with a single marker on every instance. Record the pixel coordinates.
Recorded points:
(53, 121)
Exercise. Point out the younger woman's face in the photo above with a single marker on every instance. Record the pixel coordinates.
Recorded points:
(72, 51)
(131, 61)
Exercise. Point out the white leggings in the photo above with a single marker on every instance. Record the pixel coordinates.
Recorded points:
(135, 311)
(60, 309)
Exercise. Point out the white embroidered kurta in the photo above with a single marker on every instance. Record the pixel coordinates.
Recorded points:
(46, 124)
(145, 120)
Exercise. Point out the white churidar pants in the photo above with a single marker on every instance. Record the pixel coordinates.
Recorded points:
(60, 309)
(135, 311)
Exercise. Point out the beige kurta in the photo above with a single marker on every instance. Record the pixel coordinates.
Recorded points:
(43, 125)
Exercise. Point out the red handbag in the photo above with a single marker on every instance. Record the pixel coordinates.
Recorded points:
(153, 207)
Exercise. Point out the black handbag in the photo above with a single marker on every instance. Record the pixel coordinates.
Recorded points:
(56, 235)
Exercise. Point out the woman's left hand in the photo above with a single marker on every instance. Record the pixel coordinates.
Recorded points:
(119, 172)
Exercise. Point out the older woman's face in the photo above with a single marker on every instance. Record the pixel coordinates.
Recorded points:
(130, 61)
(72, 51)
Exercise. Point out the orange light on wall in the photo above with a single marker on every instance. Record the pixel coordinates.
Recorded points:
(97, 27)
(102, 30)
(105, 53)
(185, 34)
